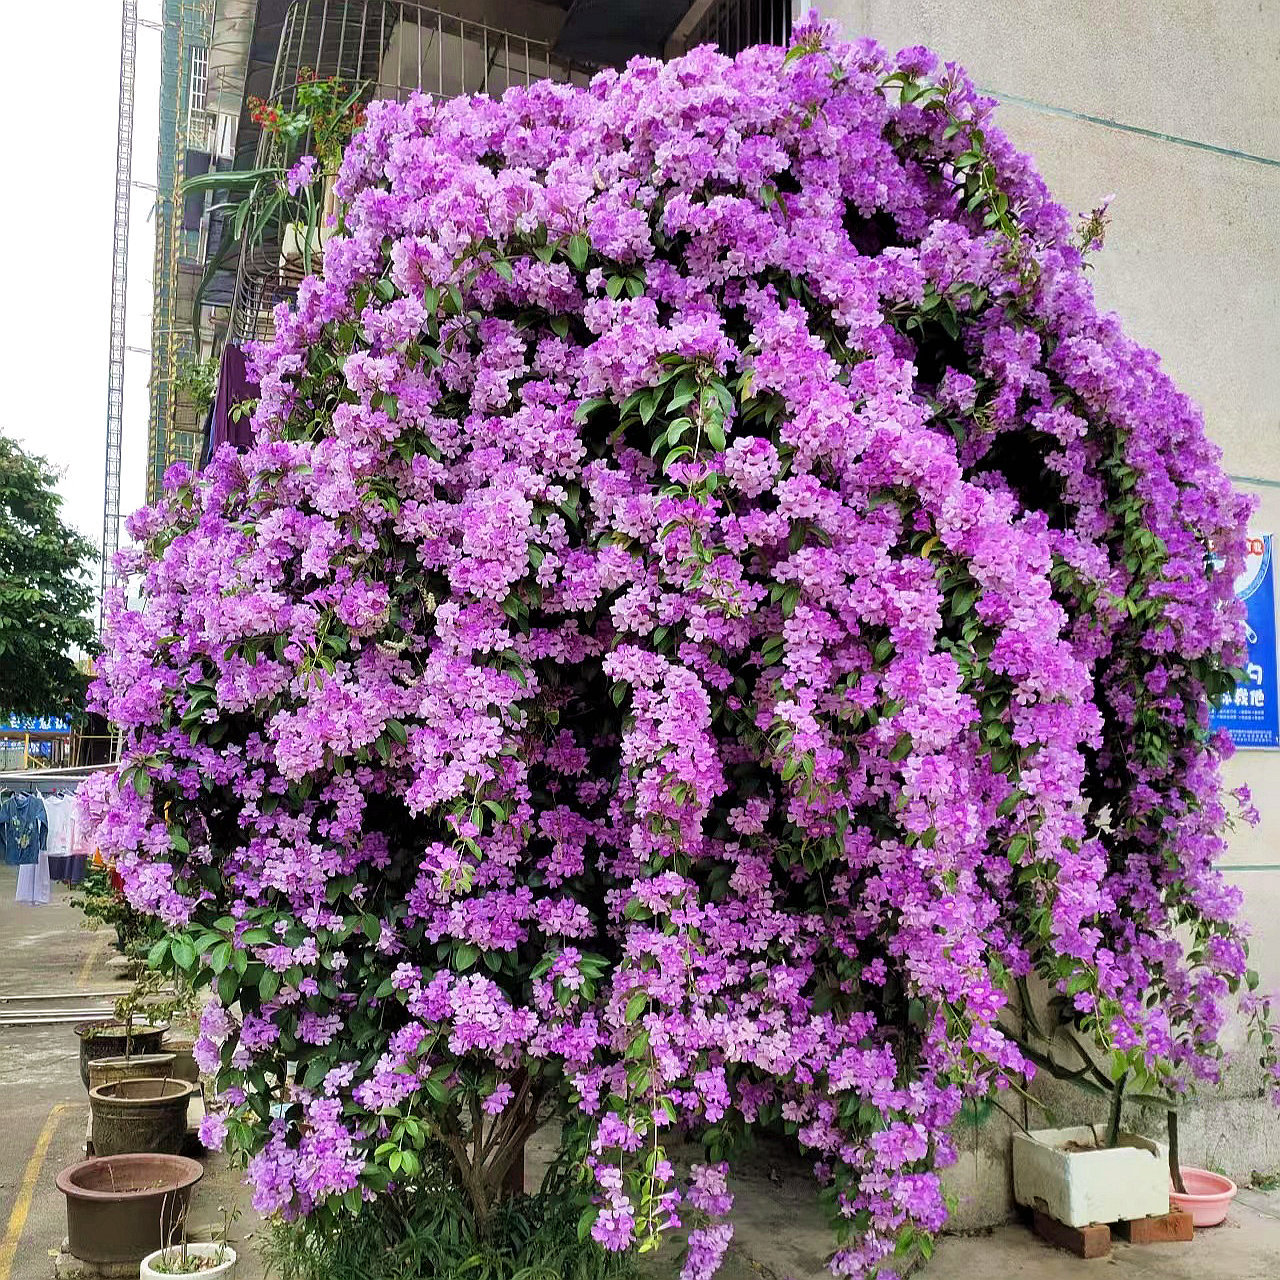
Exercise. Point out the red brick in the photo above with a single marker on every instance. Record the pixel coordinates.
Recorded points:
(1085, 1242)
(1174, 1225)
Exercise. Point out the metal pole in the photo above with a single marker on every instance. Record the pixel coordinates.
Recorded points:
(119, 292)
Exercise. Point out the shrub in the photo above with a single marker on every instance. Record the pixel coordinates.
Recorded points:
(101, 897)
(430, 1235)
(711, 608)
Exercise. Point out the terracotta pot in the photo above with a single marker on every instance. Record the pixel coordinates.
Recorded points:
(222, 1271)
(142, 1115)
(111, 1039)
(1207, 1197)
(121, 1208)
(113, 1070)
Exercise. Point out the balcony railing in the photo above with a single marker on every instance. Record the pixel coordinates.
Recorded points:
(394, 47)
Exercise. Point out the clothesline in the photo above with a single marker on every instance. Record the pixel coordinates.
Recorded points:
(42, 831)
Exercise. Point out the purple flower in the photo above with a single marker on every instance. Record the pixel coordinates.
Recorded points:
(301, 175)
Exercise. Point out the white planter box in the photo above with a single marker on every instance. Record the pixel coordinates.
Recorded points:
(1099, 1184)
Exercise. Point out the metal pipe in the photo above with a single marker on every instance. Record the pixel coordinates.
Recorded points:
(52, 1020)
(65, 995)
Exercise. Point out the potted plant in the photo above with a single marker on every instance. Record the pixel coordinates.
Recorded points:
(197, 381)
(142, 1018)
(146, 1114)
(121, 1208)
(1088, 1173)
(115, 1038)
(211, 1259)
(289, 199)
(196, 1258)
(1075, 1176)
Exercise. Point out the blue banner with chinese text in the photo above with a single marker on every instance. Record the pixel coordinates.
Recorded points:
(1251, 714)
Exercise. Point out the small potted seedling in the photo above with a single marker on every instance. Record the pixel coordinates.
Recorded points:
(209, 1259)
(143, 1110)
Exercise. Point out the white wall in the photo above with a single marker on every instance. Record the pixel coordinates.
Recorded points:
(1173, 106)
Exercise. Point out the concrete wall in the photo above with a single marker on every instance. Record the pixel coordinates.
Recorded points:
(1171, 105)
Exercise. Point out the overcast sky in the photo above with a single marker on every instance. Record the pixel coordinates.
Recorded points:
(59, 96)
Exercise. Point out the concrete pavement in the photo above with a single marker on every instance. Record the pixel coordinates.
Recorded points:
(43, 1107)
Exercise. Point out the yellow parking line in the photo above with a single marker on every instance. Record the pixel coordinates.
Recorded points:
(90, 961)
(27, 1191)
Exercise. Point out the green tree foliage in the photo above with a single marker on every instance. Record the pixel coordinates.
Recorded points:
(45, 594)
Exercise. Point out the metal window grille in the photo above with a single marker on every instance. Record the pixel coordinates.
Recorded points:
(734, 25)
(393, 47)
(199, 86)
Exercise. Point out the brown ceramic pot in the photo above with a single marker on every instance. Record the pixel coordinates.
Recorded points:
(144, 1115)
(111, 1039)
(121, 1208)
(113, 1070)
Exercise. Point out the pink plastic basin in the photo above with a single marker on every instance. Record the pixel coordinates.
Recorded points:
(1207, 1198)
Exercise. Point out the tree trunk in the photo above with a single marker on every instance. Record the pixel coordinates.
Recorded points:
(1175, 1163)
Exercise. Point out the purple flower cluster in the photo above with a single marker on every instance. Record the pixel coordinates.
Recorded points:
(710, 609)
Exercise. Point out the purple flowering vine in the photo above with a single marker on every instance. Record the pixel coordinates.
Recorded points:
(711, 613)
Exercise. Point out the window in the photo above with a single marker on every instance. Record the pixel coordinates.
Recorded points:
(199, 86)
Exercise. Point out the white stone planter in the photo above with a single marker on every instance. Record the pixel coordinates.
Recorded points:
(1097, 1184)
(222, 1271)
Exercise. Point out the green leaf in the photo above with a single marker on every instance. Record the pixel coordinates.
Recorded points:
(228, 986)
(1009, 804)
(579, 246)
(588, 407)
(636, 1005)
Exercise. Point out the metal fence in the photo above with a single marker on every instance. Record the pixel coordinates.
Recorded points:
(393, 47)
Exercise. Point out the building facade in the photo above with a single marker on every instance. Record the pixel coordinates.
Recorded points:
(182, 148)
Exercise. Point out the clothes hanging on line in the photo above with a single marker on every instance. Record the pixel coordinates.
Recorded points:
(43, 831)
(35, 886)
(24, 828)
(24, 831)
(67, 856)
